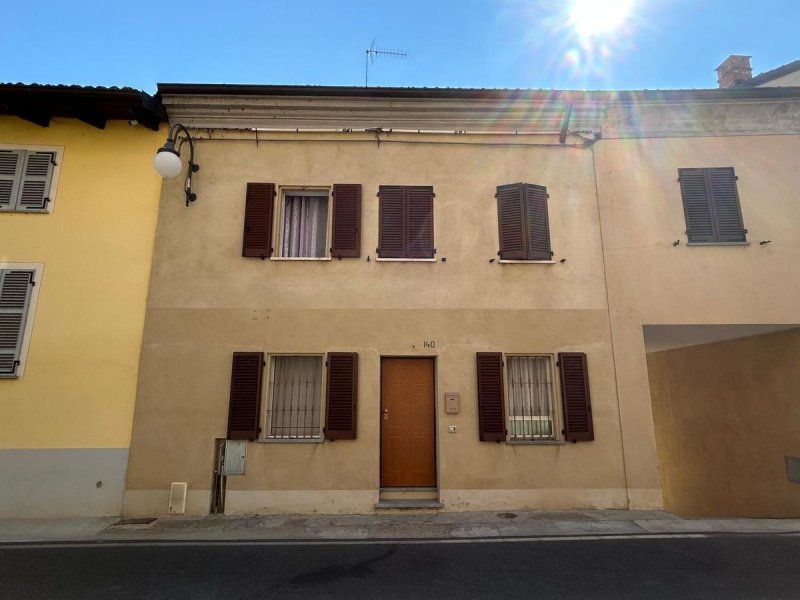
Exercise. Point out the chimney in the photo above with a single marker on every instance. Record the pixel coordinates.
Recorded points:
(734, 70)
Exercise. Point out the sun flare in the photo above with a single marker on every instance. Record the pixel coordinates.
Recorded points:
(597, 17)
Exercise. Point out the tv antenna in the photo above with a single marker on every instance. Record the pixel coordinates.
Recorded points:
(372, 52)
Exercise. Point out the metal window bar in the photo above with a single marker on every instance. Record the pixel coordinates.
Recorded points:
(295, 393)
(530, 398)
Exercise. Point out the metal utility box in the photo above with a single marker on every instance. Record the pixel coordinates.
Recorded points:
(235, 453)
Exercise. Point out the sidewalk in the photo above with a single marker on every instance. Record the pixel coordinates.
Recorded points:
(446, 526)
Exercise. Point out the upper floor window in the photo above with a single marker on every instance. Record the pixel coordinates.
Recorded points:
(17, 298)
(304, 224)
(523, 223)
(405, 221)
(26, 179)
(302, 218)
(711, 205)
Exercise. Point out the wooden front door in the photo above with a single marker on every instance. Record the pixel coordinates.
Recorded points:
(407, 423)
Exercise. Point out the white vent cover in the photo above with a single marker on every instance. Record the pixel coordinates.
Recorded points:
(177, 498)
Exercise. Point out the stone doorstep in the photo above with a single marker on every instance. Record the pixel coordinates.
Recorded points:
(409, 504)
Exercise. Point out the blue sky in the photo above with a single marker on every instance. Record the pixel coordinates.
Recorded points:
(468, 43)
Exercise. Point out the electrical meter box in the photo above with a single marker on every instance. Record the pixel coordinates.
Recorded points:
(235, 452)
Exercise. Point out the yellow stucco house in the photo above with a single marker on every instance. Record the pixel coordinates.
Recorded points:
(456, 299)
(78, 206)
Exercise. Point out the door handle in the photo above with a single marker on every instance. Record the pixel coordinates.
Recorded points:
(385, 414)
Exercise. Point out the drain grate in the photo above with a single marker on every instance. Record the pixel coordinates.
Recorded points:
(139, 521)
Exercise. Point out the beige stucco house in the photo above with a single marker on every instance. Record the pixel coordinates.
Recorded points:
(474, 300)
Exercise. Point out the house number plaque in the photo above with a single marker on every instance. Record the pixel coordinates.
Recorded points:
(429, 344)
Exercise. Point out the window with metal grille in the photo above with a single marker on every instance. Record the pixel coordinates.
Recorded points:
(531, 407)
(295, 392)
(26, 179)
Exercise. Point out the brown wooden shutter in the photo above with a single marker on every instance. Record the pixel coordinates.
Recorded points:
(244, 409)
(342, 396)
(258, 209)
(491, 400)
(725, 200)
(346, 221)
(578, 426)
(511, 222)
(697, 205)
(537, 222)
(419, 222)
(391, 221)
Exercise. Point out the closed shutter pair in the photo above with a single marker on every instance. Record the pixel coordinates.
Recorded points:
(578, 425)
(244, 411)
(25, 177)
(16, 287)
(711, 205)
(523, 222)
(405, 221)
(259, 210)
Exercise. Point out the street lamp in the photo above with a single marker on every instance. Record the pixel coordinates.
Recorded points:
(167, 160)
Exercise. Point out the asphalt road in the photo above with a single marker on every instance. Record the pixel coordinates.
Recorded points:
(708, 567)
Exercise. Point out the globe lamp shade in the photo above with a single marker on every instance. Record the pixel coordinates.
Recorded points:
(167, 163)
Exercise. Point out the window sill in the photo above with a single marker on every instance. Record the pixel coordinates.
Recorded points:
(717, 243)
(537, 443)
(9, 376)
(406, 260)
(503, 261)
(318, 440)
(300, 258)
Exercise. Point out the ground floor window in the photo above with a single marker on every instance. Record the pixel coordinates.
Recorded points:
(531, 412)
(295, 393)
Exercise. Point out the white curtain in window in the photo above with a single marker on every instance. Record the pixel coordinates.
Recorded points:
(305, 224)
(296, 387)
(530, 396)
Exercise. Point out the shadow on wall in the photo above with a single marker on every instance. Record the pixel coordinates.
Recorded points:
(726, 418)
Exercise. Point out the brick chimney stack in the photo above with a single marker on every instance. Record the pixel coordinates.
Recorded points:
(734, 70)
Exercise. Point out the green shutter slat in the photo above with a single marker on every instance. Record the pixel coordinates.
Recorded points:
(11, 162)
(15, 295)
(537, 222)
(37, 175)
(511, 222)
